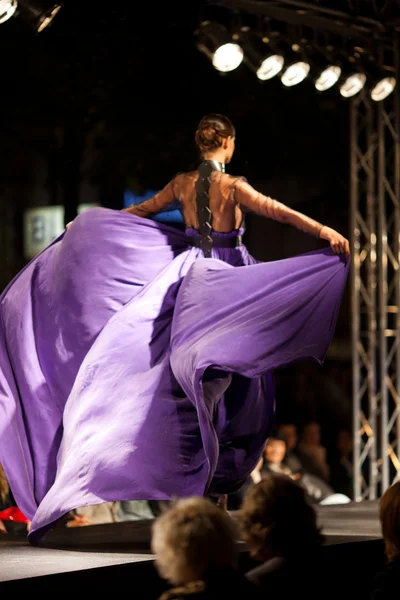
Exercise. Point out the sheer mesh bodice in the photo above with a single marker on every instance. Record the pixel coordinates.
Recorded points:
(230, 197)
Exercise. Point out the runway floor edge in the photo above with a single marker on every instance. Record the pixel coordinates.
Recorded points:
(98, 553)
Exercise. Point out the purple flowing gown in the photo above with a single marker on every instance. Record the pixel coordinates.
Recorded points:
(131, 367)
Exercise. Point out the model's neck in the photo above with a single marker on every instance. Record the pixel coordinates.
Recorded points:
(218, 166)
(217, 155)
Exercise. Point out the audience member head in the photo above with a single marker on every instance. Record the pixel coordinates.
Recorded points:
(344, 442)
(389, 515)
(192, 540)
(288, 431)
(277, 520)
(275, 449)
(311, 434)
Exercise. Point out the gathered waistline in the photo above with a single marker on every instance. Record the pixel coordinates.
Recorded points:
(231, 239)
(217, 242)
(220, 239)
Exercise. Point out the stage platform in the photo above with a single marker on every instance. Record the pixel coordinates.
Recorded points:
(108, 556)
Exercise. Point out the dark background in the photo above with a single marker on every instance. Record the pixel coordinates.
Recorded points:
(108, 98)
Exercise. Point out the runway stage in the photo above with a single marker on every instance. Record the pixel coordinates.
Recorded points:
(113, 556)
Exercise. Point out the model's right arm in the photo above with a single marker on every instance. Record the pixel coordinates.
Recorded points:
(155, 204)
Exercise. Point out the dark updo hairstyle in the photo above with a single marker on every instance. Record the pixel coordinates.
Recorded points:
(211, 132)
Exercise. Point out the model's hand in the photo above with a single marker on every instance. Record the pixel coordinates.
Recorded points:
(338, 243)
(79, 521)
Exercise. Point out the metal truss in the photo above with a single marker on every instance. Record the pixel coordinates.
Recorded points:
(375, 231)
(357, 18)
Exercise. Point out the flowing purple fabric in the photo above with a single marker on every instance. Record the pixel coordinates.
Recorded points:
(133, 368)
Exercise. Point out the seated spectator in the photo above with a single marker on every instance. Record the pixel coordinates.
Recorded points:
(93, 514)
(195, 548)
(12, 520)
(98, 514)
(235, 499)
(312, 453)
(341, 464)
(280, 528)
(274, 457)
(72, 519)
(158, 507)
(317, 490)
(134, 510)
(387, 581)
(288, 432)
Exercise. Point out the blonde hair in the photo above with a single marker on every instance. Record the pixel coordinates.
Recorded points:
(389, 515)
(192, 539)
(4, 487)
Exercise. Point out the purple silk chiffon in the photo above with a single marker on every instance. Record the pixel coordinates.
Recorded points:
(133, 368)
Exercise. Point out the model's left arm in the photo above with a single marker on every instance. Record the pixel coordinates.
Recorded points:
(253, 200)
(157, 203)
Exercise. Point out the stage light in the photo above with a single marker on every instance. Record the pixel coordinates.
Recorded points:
(295, 74)
(327, 78)
(227, 57)
(270, 67)
(214, 41)
(7, 9)
(380, 81)
(39, 13)
(296, 66)
(324, 70)
(353, 84)
(383, 89)
(265, 62)
(353, 77)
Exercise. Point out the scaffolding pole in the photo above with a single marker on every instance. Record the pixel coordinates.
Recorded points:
(389, 283)
(375, 240)
(363, 147)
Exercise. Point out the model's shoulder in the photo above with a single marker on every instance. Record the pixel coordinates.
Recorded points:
(186, 175)
(184, 179)
(228, 179)
(234, 177)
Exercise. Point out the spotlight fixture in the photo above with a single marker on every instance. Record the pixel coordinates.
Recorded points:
(39, 13)
(328, 77)
(324, 69)
(297, 68)
(352, 79)
(383, 88)
(265, 62)
(214, 41)
(381, 83)
(353, 84)
(7, 9)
